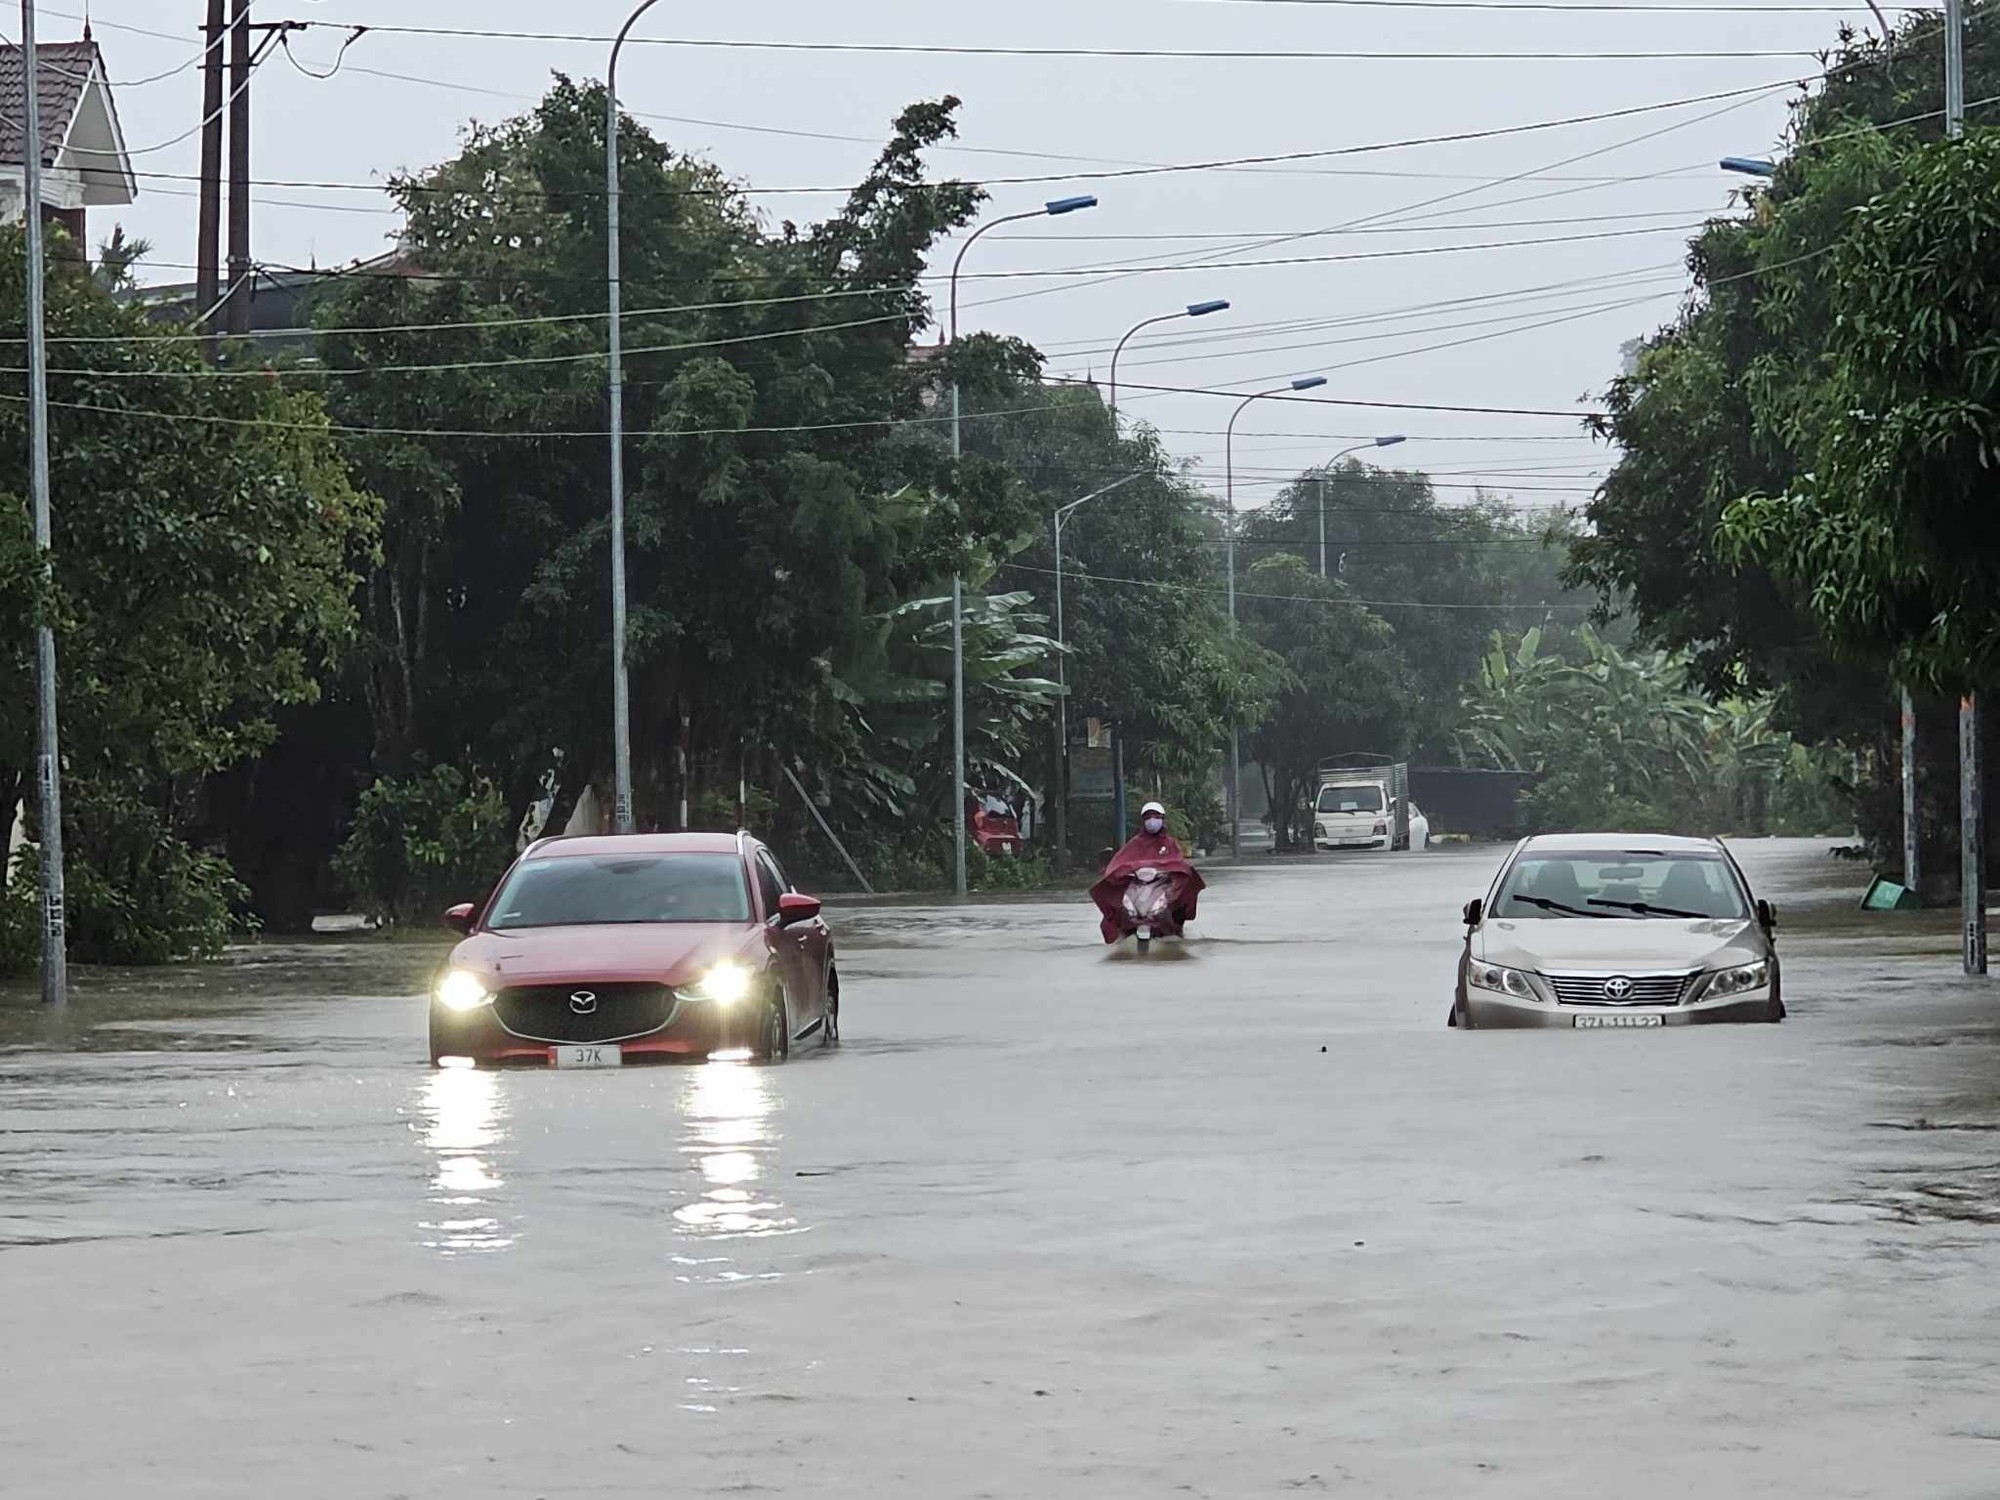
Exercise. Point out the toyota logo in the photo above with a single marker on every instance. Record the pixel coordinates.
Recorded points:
(583, 1002)
(1619, 988)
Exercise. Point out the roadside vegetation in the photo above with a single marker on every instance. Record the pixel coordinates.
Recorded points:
(335, 631)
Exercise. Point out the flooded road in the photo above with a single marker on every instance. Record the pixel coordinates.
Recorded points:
(1237, 1221)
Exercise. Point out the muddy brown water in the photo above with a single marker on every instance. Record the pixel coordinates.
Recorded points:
(1053, 1222)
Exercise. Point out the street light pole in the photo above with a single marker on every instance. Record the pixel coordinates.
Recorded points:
(1305, 383)
(1192, 310)
(1971, 715)
(621, 697)
(1056, 208)
(1389, 441)
(48, 761)
(1057, 517)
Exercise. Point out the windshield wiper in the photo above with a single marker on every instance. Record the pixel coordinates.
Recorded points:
(1646, 910)
(1547, 905)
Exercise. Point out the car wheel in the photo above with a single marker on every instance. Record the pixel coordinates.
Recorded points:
(829, 1030)
(774, 1032)
(440, 1048)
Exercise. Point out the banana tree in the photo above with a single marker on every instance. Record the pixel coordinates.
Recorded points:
(895, 695)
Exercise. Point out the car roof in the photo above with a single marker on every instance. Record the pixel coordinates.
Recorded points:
(1622, 843)
(635, 843)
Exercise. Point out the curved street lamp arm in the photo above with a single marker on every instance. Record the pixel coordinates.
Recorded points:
(971, 240)
(1172, 317)
(611, 73)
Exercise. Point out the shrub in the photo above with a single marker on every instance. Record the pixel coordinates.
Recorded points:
(138, 895)
(421, 842)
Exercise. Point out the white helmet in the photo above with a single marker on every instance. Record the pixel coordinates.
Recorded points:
(1150, 808)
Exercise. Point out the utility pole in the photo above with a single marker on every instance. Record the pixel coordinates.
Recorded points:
(236, 315)
(48, 761)
(1322, 524)
(621, 688)
(1913, 842)
(208, 254)
(1971, 729)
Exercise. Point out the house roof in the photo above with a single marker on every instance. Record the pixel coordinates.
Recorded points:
(63, 72)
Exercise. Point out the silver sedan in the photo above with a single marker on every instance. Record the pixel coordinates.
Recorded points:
(1618, 930)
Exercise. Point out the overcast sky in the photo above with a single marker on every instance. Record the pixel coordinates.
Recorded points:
(1533, 325)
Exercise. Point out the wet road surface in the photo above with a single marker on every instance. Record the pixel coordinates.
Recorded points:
(1241, 1220)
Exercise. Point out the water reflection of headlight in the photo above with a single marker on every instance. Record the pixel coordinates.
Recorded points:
(463, 1124)
(728, 1107)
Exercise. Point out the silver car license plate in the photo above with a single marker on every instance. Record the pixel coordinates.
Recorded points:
(1586, 1023)
(603, 1055)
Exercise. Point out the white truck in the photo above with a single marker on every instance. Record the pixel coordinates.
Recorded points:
(1363, 802)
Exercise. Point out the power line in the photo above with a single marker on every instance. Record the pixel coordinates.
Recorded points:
(1300, 400)
(1107, 174)
(949, 49)
(1580, 7)
(1343, 599)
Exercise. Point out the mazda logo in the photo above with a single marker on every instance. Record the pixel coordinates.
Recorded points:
(1618, 989)
(583, 1002)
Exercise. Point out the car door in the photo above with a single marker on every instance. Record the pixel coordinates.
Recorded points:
(799, 949)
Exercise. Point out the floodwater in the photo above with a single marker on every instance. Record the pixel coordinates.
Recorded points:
(1239, 1221)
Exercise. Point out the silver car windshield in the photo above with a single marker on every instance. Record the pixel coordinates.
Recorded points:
(1633, 885)
(1350, 799)
(586, 890)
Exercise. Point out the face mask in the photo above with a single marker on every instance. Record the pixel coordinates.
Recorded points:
(1156, 825)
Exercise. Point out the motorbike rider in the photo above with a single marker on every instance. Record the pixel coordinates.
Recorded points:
(1151, 847)
(1152, 841)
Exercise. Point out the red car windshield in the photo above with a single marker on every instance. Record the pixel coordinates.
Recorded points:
(588, 890)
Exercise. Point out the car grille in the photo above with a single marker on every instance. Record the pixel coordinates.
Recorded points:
(618, 1012)
(1647, 989)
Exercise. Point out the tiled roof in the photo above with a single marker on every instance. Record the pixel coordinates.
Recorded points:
(63, 71)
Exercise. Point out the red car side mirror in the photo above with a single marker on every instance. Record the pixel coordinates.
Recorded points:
(459, 918)
(792, 907)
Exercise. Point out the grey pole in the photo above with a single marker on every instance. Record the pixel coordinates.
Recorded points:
(1229, 522)
(1971, 728)
(1056, 519)
(1913, 844)
(48, 760)
(1062, 714)
(621, 696)
(1322, 525)
(1057, 207)
(1972, 844)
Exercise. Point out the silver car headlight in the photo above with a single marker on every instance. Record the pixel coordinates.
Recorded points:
(724, 984)
(1322, 831)
(1739, 980)
(462, 991)
(1503, 981)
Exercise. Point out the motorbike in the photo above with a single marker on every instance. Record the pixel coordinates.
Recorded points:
(1146, 895)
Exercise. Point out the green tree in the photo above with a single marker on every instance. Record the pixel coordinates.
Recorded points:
(207, 544)
(1444, 576)
(775, 506)
(1343, 683)
(1889, 533)
(1618, 740)
(1728, 401)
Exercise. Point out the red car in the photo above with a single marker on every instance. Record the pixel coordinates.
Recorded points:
(593, 952)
